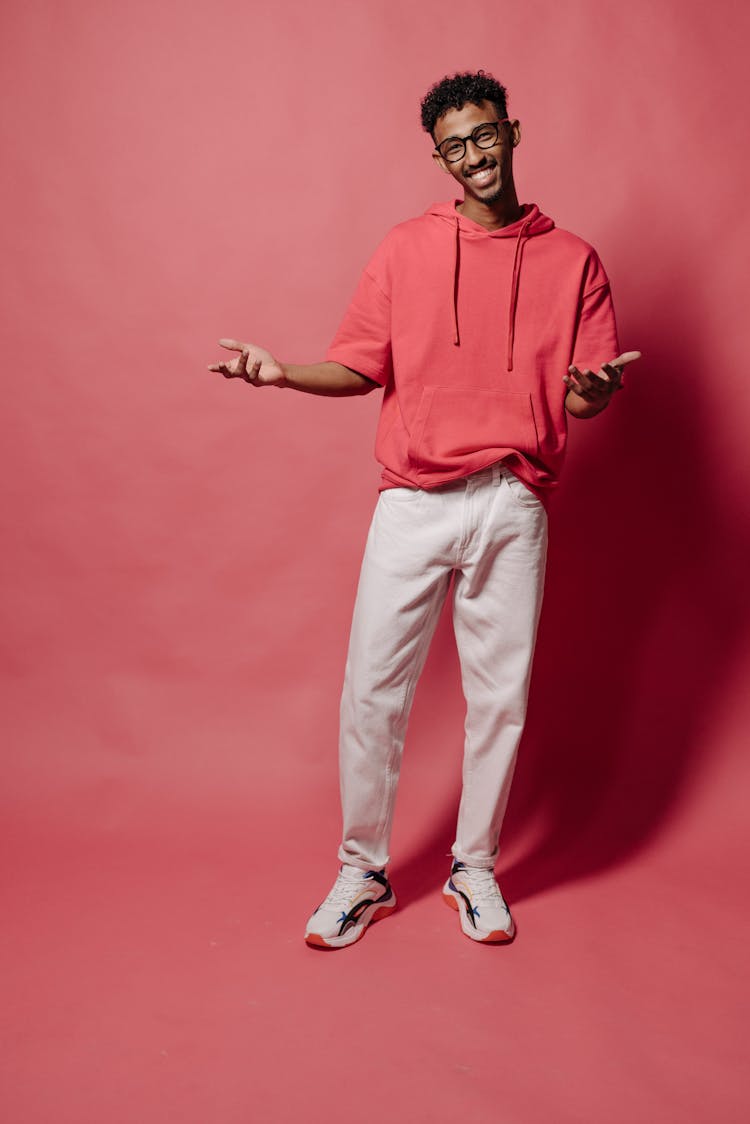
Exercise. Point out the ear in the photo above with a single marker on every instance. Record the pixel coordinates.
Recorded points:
(440, 162)
(515, 133)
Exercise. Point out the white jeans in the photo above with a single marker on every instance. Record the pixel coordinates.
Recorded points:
(492, 531)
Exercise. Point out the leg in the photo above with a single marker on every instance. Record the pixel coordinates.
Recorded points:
(404, 580)
(497, 601)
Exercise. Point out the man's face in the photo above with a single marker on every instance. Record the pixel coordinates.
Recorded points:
(484, 173)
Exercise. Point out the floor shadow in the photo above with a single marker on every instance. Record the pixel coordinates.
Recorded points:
(645, 606)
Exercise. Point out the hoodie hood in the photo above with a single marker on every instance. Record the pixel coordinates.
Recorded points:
(530, 224)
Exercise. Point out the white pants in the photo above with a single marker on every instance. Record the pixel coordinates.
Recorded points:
(492, 532)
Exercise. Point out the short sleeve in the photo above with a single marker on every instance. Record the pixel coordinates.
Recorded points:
(596, 330)
(363, 339)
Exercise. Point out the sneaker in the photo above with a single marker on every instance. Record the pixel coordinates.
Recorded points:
(357, 898)
(481, 907)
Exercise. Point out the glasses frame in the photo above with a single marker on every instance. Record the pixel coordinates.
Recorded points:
(470, 137)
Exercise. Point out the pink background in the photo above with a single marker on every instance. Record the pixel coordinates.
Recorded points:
(180, 556)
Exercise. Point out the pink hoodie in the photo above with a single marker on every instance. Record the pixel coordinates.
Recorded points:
(470, 331)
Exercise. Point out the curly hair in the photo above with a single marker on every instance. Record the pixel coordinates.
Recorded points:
(455, 92)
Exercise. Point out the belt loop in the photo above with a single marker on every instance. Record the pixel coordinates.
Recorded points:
(497, 474)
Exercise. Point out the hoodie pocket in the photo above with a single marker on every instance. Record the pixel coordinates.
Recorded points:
(454, 425)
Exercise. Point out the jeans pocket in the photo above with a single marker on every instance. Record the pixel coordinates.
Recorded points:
(520, 493)
(402, 495)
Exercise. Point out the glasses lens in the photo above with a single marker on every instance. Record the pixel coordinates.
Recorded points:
(452, 149)
(485, 136)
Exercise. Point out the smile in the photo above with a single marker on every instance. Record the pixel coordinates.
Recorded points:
(482, 176)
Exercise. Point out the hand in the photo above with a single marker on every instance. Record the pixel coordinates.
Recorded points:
(263, 369)
(597, 389)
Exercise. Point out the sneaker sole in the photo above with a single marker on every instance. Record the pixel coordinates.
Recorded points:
(315, 940)
(496, 936)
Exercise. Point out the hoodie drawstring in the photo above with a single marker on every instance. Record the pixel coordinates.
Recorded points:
(514, 291)
(454, 297)
(513, 287)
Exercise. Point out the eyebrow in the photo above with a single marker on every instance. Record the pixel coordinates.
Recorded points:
(497, 121)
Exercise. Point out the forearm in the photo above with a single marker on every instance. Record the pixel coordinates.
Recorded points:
(332, 379)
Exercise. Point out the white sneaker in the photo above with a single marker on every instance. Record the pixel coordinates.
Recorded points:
(357, 898)
(481, 907)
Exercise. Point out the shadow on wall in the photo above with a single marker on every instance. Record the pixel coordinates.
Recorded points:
(640, 625)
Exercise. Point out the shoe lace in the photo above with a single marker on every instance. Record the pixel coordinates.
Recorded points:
(343, 889)
(484, 888)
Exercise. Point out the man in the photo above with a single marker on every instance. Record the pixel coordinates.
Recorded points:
(484, 324)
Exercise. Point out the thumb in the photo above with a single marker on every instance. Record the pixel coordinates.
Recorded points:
(625, 358)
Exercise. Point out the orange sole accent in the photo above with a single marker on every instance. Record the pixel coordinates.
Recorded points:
(317, 941)
(314, 939)
(451, 901)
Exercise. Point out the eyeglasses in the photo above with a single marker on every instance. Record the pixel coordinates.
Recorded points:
(452, 149)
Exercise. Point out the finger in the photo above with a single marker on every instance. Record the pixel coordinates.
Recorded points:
(601, 379)
(588, 385)
(231, 371)
(240, 368)
(585, 380)
(602, 385)
(252, 374)
(222, 369)
(615, 375)
(625, 358)
(232, 345)
(583, 376)
(573, 384)
(575, 376)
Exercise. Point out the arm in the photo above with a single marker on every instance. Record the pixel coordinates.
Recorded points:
(588, 394)
(328, 378)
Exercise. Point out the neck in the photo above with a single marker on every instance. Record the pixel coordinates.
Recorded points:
(493, 216)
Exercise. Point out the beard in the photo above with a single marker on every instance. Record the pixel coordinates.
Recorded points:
(495, 197)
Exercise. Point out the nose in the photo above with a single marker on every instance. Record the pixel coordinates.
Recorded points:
(477, 150)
